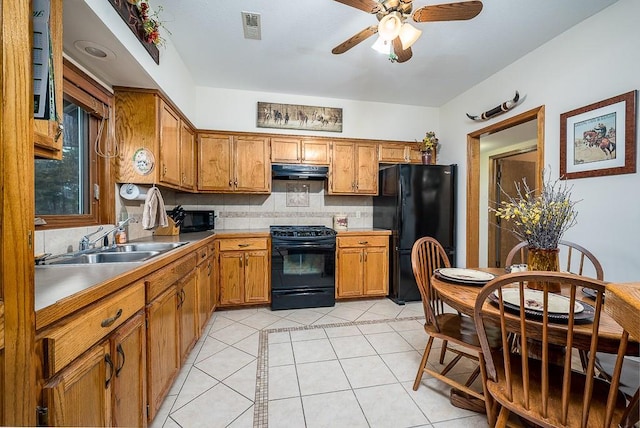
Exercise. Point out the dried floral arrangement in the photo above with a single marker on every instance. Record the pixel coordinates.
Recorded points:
(428, 143)
(539, 220)
(151, 23)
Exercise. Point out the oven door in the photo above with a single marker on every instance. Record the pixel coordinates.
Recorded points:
(300, 266)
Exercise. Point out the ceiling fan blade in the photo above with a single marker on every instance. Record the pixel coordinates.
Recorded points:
(448, 12)
(369, 6)
(352, 41)
(402, 54)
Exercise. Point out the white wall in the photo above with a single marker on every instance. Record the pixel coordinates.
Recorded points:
(597, 59)
(234, 110)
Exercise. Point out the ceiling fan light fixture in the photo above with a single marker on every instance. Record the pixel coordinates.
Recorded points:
(390, 26)
(382, 46)
(408, 35)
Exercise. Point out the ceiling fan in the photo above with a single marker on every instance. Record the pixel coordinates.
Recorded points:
(395, 36)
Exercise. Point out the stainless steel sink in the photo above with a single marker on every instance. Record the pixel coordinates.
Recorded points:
(106, 257)
(144, 246)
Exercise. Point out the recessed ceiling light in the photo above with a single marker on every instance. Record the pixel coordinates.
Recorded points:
(95, 50)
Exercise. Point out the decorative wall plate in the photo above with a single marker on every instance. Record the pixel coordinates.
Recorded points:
(143, 161)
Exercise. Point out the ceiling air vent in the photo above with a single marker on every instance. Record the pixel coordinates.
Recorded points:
(251, 25)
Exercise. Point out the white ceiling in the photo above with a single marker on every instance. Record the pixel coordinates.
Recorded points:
(294, 55)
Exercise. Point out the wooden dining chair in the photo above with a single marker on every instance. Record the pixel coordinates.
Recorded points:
(427, 255)
(545, 394)
(572, 259)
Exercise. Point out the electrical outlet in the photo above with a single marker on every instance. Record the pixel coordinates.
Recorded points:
(358, 214)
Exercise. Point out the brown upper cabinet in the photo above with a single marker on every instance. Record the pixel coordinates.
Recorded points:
(399, 153)
(48, 133)
(299, 150)
(148, 125)
(230, 163)
(354, 168)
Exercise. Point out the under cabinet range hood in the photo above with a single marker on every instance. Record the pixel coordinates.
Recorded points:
(299, 172)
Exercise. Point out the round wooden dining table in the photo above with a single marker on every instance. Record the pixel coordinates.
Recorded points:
(462, 298)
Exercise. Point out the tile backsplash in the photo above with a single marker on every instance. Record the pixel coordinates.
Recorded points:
(290, 203)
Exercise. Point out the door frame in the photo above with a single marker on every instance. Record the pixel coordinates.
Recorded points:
(473, 173)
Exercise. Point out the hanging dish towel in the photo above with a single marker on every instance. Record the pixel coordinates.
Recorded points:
(153, 213)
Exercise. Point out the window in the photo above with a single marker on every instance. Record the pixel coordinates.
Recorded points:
(62, 187)
(77, 190)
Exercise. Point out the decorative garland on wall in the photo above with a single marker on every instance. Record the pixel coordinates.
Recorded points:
(130, 14)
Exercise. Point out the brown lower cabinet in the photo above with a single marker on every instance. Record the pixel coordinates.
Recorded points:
(105, 386)
(244, 271)
(163, 361)
(362, 266)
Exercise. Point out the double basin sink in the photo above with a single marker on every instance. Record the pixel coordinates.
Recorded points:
(125, 253)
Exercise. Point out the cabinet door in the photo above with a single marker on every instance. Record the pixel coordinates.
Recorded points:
(203, 276)
(349, 272)
(169, 145)
(188, 313)
(415, 156)
(213, 278)
(376, 274)
(342, 179)
(256, 268)
(47, 135)
(187, 157)
(252, 165)
(367, 169)
(128, 348)
(215, 163)
(80, 395)
(285, 150)
(393, 153)
(231, 277)
(315, 152)
(162, 347)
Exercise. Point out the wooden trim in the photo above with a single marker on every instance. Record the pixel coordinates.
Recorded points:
(84, 91)
(473, 173)
(17, 374)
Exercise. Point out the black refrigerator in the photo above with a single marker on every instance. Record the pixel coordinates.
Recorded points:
(414, 201)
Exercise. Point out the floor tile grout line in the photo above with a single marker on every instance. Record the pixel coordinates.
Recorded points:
(260, 409)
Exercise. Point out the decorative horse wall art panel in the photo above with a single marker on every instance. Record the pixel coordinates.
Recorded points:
(291, 116)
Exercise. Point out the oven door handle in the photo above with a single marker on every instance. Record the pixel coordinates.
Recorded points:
(305, 292)
(322, 247)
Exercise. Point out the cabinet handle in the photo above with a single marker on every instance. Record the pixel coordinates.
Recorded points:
(243, 245)
(203, 255)
(209, 269)
(235, 183)
(107, 359)
(109, 321)
(242, 261)
(122, 358)
(246, 261)
(360, 257)
(164, 170)
(365, 256)
(230, 183)
(363, 242)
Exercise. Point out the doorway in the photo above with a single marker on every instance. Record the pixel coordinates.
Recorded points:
(506, 170)
(473, 175)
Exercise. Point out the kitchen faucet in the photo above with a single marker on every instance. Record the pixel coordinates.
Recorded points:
(86, 243)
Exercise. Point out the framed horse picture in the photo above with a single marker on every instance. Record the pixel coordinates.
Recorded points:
(599, 139)
(293, 116)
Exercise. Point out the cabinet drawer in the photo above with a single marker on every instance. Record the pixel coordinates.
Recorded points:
(362, 241)
(67, 340)
(202, 254)
(158, 281)
(243, 244)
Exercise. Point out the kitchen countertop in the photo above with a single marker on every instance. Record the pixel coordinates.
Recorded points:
(357, 231)
(63, 289)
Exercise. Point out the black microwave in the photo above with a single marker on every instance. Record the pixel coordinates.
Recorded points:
(197, 221)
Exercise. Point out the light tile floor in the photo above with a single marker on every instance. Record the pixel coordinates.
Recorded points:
(351, 365)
